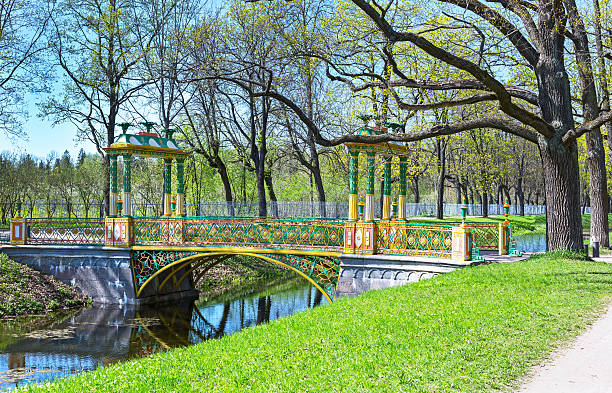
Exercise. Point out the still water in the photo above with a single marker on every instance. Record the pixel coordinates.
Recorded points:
(530, 243)
(35, 349)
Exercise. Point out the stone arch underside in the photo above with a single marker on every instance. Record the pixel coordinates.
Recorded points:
(322, 269)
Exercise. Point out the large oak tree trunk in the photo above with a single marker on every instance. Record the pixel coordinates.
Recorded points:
(562, 188)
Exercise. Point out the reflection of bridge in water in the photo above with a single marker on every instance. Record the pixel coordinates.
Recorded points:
(100, 336)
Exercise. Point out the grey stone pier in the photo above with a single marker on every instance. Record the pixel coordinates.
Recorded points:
(104, 274)
(361, 273)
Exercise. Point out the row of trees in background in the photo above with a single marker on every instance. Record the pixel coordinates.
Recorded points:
(74, 186)
(497, 98)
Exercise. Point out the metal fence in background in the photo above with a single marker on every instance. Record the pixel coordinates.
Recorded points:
(251, 209)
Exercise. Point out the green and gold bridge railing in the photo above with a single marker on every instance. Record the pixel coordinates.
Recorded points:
(76, 231)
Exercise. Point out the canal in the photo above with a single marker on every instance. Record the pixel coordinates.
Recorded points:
(37, 349)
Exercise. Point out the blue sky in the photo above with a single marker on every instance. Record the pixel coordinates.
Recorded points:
(41, 137)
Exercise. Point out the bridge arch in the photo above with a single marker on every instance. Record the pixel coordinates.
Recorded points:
(321, 269)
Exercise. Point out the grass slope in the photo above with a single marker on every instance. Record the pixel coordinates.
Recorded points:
(473, 330)
(27, 291)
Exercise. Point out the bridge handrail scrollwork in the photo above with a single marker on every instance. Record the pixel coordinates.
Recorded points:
(486, 235)
(64, 230)
(285, 233)
(415, 239)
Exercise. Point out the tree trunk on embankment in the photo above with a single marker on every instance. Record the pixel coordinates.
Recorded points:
(563, 220)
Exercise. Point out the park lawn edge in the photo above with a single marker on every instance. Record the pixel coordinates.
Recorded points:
(478, 329)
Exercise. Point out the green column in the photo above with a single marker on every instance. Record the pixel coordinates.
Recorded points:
(353, 185)
(387, 190)
(369, 208)
(354, 169)
(180, 173)
(180, 187)
(127, 173)
(401, 201)
(112, 202)
(167, 186)
(127, 185)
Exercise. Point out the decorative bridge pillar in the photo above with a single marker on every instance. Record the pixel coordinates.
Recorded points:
(112, 200)
(18, 228)
(504, 232)
(386, 210)
(369, 203)
(353, 215)
(401, 200)
(462, 239)
(167, 187)
(365, 232)
(118, 231)
(180, 187)
(127, 185)
(353, 185)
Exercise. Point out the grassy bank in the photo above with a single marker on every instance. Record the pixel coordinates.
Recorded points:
(477, 329)
(520, 225)
(27, 291)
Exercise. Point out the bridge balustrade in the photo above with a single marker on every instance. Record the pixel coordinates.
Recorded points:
(82, 231)
(414, 239)
(387, 237)
(284, 233)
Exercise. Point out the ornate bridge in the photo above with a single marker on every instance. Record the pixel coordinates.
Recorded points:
(168, 250)
(176, 247)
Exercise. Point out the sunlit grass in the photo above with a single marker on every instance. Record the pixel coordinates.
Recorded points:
(474, 330)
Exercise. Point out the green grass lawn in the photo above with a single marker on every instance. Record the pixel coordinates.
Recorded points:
(474, 330)
(520, 225)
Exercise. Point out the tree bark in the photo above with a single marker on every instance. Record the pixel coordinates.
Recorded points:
(415, 189)
(272, 194)
(227, 185)
(602, 224)
(520, 195)
(441, 147)
(562, 188)
(485, 204)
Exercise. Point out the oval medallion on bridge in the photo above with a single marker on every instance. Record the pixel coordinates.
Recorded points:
(117, 231)
(423, 240)
(358, 238)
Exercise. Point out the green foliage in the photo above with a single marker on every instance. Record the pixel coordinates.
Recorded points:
(474, 330)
